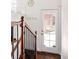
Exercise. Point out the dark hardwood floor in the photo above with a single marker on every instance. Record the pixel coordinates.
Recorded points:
(45, 55)
(41, 55)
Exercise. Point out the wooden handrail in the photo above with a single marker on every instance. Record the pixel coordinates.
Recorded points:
(30, 30)
(14, 23)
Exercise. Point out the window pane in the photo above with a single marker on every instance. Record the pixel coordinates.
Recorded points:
(46, 36)
(53, 36)
(52, 43)
(46, 43)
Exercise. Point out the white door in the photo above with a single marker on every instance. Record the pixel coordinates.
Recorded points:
(51, 31)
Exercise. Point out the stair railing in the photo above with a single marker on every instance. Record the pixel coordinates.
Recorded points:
(19, 47)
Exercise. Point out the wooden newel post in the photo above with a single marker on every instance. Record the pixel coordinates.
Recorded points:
(22, 19)
(35, 40)
(35, 44)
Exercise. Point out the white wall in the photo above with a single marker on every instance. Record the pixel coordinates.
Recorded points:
(64, 14)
